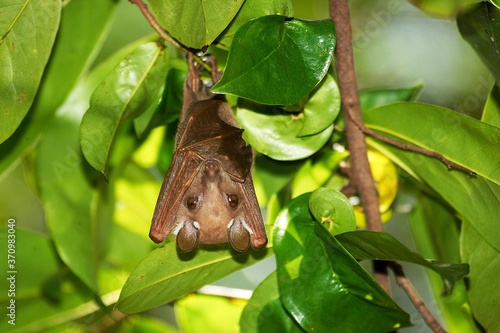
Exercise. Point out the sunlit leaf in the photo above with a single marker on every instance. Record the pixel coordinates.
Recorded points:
(166, 275)
(81, 31)
(331, 208)
(315, 173)
(195, 23)
(444, 8)
(196, 313)
(265, 313)
(276, 60)
(340, 294)
(133, 86)
(28, 30)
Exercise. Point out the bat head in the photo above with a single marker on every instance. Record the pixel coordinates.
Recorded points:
(212, 210)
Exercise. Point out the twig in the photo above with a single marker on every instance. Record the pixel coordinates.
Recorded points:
(410, 147)
(164, 34)
(415, 298)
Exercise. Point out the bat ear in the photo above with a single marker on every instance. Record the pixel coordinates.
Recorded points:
(188, 236)
(239, 236)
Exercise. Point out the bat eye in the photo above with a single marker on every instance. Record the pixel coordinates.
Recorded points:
(233, 200)
(192, 202)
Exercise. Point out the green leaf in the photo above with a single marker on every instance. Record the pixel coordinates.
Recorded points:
(491, 112)
(322, 108)
(435, 230)
(166, 275)
(315, 173)
(289, 136)
(382, 246)
(480, 27)
(370, 99)
(28, 30)
(195, 23)
(484, 290)
(467, 141)
(496, 3)
(129, 90)
(332, 209)
(67, 193)
(82, 28)
(444, 8)
(340, 295)
(265, 313)
(463, 140)
(276, 60)
(252, 9)
(195, 313)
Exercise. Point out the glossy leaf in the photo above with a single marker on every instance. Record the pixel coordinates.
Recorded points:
(276, 60)
(265, 313)
(28, 30)
(480, 27)
(467, 141)
(164, 275)
(340, 294)
(484, 286)
(253, 9)
(331, 208)
(496, 3)
(288, 136)
(82, 28)
(322, 108)
(195, 23)
(129, 90)
(382, 246)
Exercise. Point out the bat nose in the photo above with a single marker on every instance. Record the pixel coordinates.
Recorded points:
(211, 168)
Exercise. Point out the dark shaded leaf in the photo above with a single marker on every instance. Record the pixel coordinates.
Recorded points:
(276, 60)
(480, 27)
(340, 294)
(382, 246)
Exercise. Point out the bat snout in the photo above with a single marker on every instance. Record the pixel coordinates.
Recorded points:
(211, 168)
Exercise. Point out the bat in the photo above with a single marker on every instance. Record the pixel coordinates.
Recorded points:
(207, 195)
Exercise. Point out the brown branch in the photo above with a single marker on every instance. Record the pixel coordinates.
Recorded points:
(415, 298)
(416, 149)
(360, 174)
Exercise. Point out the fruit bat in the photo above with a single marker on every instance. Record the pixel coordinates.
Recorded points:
(207, 195)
